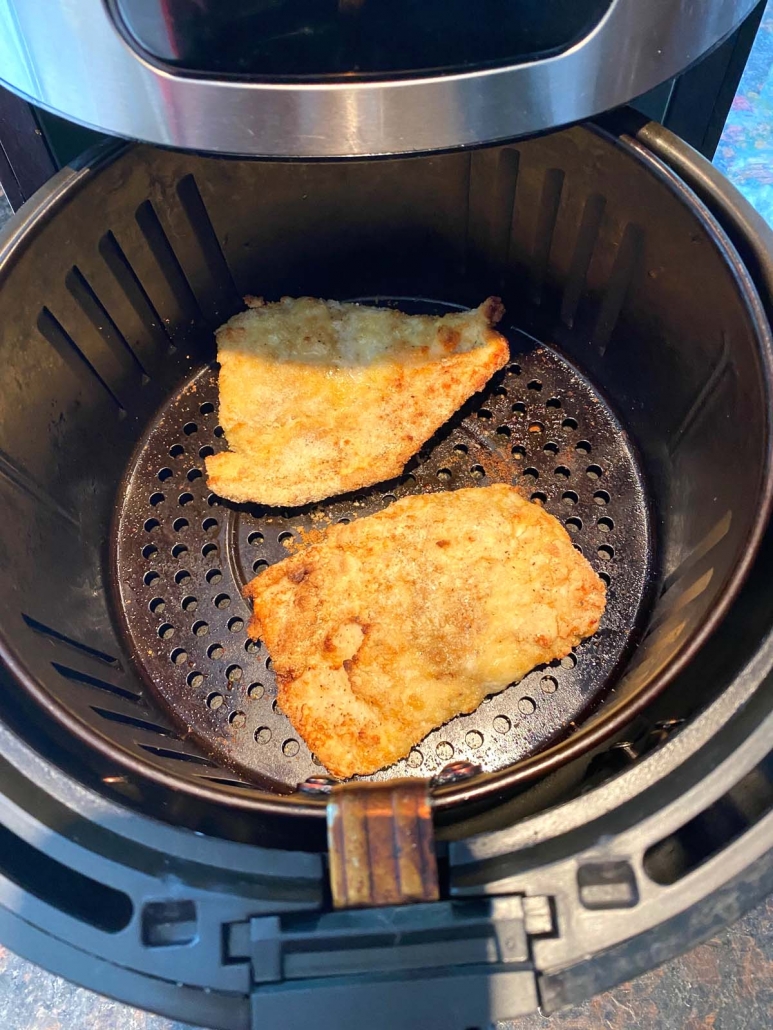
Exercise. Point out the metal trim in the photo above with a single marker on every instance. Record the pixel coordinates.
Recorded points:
(72, 60)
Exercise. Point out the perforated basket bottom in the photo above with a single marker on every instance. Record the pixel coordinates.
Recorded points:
(183, 556)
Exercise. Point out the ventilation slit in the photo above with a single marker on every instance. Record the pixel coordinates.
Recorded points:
(587, 236)
(54, 634)
(70, 352)
(627, 261)
(546, 224)
(93, 681)
(96, 312)
(133, 290)
(163, 252)
(204, 231)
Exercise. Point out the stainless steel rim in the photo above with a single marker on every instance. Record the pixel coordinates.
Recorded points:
(78, 65)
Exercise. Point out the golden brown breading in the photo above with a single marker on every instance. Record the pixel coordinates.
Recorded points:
(401, 620)
(319, 398)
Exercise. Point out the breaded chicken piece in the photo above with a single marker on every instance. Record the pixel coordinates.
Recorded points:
(319, 398)
(394, 624)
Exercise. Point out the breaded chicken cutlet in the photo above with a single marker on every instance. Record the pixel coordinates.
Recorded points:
(319, 398)
(394, 624)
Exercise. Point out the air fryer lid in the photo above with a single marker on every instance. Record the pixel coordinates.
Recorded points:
(294, 78)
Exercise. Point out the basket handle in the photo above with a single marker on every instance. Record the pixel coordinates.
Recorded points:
(381, 844)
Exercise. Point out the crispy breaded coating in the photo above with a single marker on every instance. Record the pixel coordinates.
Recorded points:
(394, 624)
(319, 398)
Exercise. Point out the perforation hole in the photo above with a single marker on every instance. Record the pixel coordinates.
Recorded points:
(207, 408)
(182, 576)
(562, 472)
(209, 524)
(519, 408)
(530, 474)
(502, 724)
(290, 748)
(150, 525)
(200, 628)
(255, 539)
(215, 652)
(164, 474)
(218, 431)
(252, 646)
(190, 428)
(505, 432)
(195, 679)
(569, 498)
(527, 705)
(551, 447)
(569, 661)
(206, 451)
(341, 522)
(185, 498)
(149, 578)
(180, 524)
(606, 525)
(179, 656)
(179, 549)
(444, 751)
(569, 423)
(549, 684)
(215, 701)
(514, 368)
(500, 391)
(553, 402)
(415, 758)
(189, 603)
(235, 625)
(222, 601)
(285, 538)
(237, 720)
(259, 566)
(477, 472)
(485, 414)
(156, 498)
(536, 427)
(444, 475)
(605, 552)
(213, 501)
(262, 735)
(594, 472)
(176, 450)
(473, 739)
(601, 498)
(534, 384)
(209, 551)
(605, 578)
(149, 551)
(538, 497)
(582, 447)
(255, 691)
(519, 452)
(460, 448)
(213, 576)
(166, 631)
(157, 605)
(194, 474)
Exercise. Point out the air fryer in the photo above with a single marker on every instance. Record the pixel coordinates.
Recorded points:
(166, 835)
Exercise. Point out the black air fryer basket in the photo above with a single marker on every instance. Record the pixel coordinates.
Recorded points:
(635, 408)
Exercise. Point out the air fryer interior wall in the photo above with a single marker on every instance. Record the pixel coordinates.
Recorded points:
(110, 301)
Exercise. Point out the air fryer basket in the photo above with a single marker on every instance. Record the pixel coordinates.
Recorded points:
(658, 371)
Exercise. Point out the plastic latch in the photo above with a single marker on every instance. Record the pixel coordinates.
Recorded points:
(447, 965)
